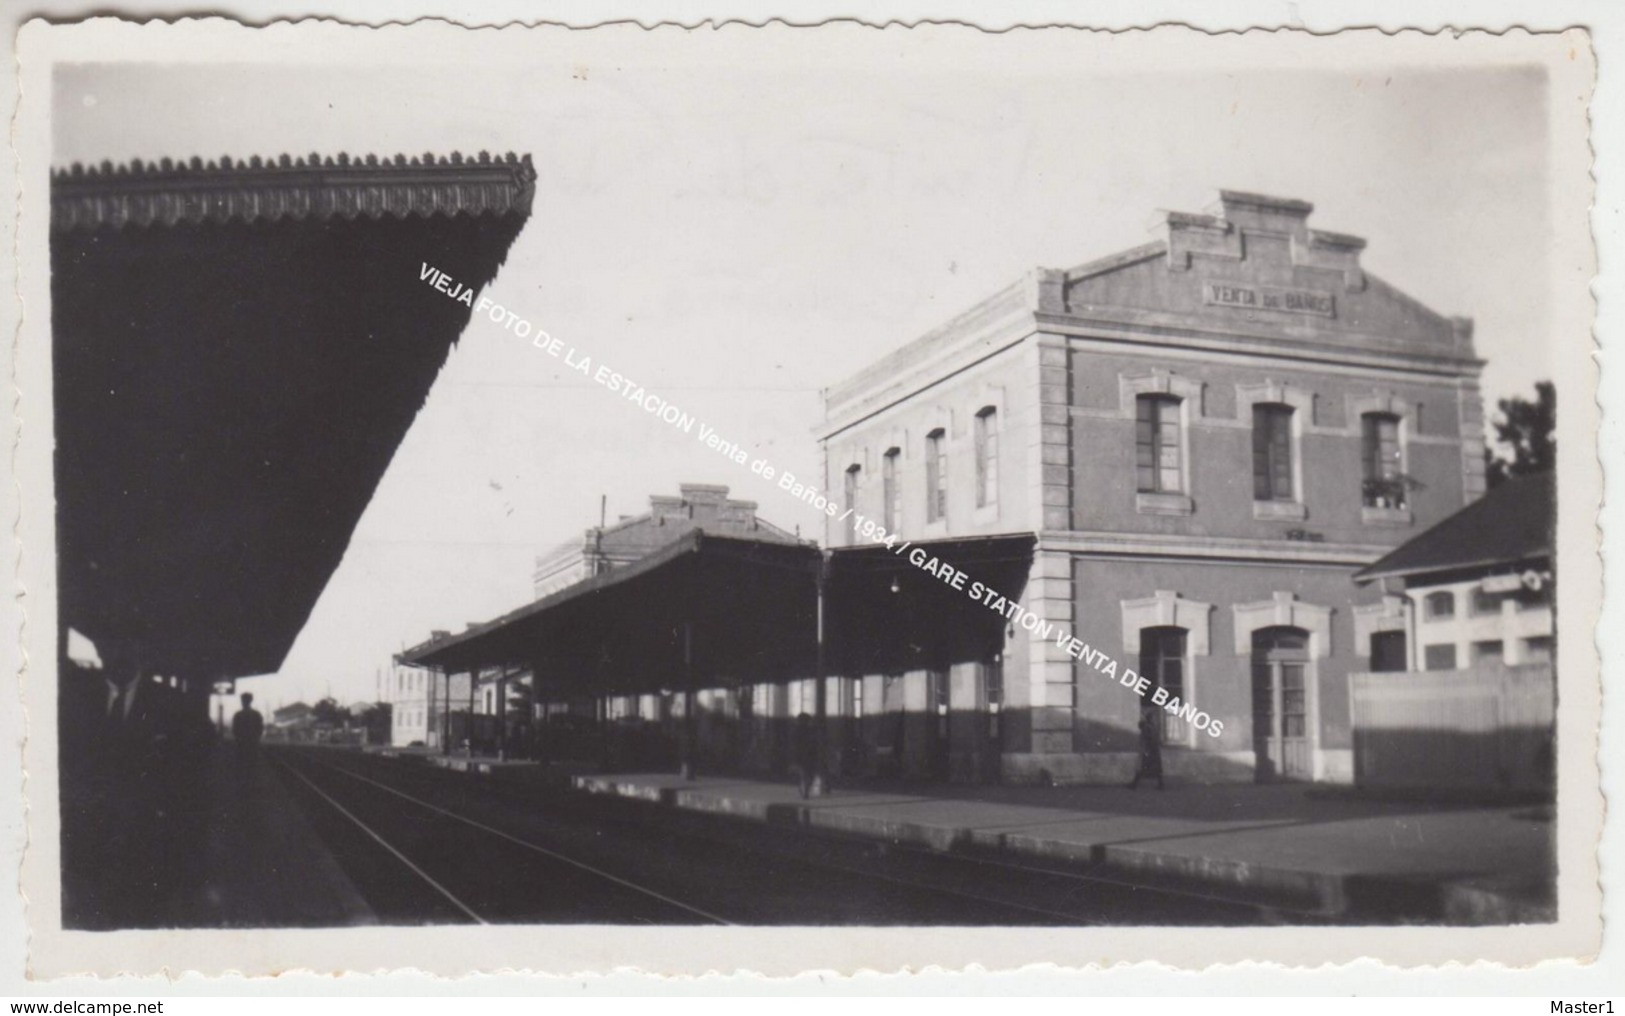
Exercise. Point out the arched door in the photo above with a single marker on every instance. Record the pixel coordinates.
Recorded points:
(1281, 707)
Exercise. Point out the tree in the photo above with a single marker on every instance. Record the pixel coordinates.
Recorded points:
(329, 713)
(376, 718)
(1528, 430)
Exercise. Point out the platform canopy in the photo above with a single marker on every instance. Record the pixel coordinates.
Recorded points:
(749, 608)
(893, 611)
(746, 608)
(238, 349)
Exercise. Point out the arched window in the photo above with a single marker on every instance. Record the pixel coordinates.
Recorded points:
(987, 457)
(850, 493)
(891, 494)
(1382, 479)
(936, 475)
(1439, 606)
(1158, 465)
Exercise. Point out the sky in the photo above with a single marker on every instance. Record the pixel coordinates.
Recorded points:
(739, 234)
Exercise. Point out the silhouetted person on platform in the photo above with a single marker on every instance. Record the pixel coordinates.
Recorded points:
(1150, 747)
(246, 728)
(805, 752)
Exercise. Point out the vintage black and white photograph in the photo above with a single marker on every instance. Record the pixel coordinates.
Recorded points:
(918, 483)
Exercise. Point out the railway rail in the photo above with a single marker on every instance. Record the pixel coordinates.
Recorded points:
(434, 846)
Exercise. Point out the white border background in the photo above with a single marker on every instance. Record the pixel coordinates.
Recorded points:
(1603, 18)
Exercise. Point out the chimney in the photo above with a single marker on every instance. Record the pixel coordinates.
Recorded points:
(703, 493)
(1261, 211)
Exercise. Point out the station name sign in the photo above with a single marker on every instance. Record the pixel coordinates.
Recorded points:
(1291, 301)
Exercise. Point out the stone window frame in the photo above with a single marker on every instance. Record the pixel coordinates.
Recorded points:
(852, 478)
(991, 396)
(1371, 618)
(1166, 608)
(892, 438)
(1386, 402)
(1190, 394)
(1302, 403)
(1284, 609)
(933, 419)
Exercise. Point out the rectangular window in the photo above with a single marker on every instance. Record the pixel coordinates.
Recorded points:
(851, 493)
(987, 457)
(1272, 453)
(1388, 651)
(891, 493)
(1382, 486)
(936, 475)
(1157, 445)
(1486, 602)
(1488, 652)
(1441, 657)
(1537, 649)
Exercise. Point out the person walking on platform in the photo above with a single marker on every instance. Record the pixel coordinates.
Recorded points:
(246, 729)
(1150, 766)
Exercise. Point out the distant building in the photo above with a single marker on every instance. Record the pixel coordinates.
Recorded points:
(406, 689)
(296, 715)
(699, 506)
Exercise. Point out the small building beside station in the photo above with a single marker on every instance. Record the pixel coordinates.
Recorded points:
(1472, 703)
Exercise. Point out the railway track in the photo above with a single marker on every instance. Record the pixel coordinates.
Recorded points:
(434, 846)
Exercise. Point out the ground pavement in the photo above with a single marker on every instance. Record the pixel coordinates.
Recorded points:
(1296, 845)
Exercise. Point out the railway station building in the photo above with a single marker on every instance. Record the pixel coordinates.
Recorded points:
(1205, 438)
(1171, 462)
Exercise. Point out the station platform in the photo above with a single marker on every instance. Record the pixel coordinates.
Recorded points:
(262, 865)
(1285, 845)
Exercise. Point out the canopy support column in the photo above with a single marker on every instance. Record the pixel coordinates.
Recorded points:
(820, 780)
(502, 714)
(445, 715)
(690, 720)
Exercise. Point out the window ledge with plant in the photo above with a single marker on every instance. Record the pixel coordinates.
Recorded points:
(1385, 501)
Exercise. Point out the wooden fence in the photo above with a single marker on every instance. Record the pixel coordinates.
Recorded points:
(1489, 727)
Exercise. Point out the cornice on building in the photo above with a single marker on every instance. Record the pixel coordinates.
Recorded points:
(168, 193)
(1266, 552)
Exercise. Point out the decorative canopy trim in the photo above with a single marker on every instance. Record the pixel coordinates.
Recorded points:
(168, 193)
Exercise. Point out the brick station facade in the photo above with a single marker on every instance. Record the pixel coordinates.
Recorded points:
(1208, 435)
